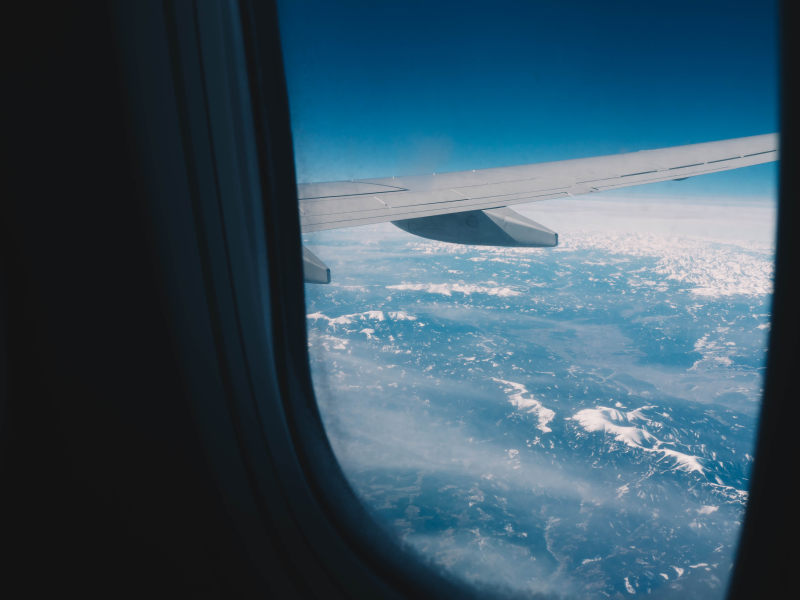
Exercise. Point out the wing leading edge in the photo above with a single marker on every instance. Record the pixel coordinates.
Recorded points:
(350, 203)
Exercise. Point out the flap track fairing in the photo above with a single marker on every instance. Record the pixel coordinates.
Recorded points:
(490, 227)
(314, 270)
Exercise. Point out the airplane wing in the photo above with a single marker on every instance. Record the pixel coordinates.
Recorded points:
(469, 206)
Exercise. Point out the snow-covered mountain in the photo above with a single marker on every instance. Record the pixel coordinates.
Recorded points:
(577, 420)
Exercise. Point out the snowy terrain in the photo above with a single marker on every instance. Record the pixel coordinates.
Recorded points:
(576, 420)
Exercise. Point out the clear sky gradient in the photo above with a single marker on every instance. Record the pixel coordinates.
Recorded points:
(390, 88)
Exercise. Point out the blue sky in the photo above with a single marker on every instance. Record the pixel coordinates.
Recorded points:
(389, 88)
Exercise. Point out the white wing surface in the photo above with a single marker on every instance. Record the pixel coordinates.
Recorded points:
(350, 203)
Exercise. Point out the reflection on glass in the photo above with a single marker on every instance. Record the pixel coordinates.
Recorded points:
(576, 420)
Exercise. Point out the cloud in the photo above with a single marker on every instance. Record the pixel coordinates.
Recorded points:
(447, 289)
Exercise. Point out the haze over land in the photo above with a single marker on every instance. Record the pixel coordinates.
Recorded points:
(577, 420)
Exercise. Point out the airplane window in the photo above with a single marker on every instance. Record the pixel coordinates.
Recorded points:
(565, 408)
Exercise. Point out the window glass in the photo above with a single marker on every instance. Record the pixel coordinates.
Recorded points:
(578, 419)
